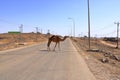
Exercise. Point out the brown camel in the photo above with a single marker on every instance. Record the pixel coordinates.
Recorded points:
(55, 39)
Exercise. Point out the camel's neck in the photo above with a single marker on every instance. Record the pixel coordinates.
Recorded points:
(63, 39)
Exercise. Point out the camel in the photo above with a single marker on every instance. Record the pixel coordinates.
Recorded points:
(55, 39)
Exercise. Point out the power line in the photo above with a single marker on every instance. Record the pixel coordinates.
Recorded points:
(107, 33)
(8, 22)
(101, 29)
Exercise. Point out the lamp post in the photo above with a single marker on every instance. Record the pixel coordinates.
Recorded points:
(73, 25)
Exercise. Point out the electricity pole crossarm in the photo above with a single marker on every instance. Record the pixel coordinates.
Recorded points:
(117, 33)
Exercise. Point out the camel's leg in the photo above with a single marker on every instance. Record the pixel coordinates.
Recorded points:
(59, 46)
(48, 45)
(55, 46)
(48, 48)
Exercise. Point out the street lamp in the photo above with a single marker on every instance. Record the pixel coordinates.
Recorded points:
(73, 25)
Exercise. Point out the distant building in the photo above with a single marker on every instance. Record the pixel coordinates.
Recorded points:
(14, 32)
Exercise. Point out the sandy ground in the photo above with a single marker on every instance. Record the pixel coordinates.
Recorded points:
(103, 71)
(10, 41)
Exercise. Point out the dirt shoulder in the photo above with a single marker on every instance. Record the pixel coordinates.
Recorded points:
(109, 70)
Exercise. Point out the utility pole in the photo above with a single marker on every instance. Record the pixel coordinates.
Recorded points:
(21, 30)
(48, 33)
(88, 24)
(36, 29)
(36, 34)
(41, 31)
(117, 33)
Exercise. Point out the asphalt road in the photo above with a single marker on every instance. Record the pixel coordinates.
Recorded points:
(36, 63)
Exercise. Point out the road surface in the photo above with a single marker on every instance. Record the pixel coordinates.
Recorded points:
(36, 63)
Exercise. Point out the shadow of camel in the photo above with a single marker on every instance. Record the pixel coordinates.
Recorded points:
(48, 51)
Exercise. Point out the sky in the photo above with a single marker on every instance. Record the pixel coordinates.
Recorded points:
(54, 15)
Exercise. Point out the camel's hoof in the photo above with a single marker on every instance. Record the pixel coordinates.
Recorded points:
(49, 50)
(53, 50)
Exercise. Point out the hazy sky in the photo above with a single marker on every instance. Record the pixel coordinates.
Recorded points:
(53, 15)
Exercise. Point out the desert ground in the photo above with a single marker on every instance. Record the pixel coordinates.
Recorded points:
(10, 41)
(103, 59)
